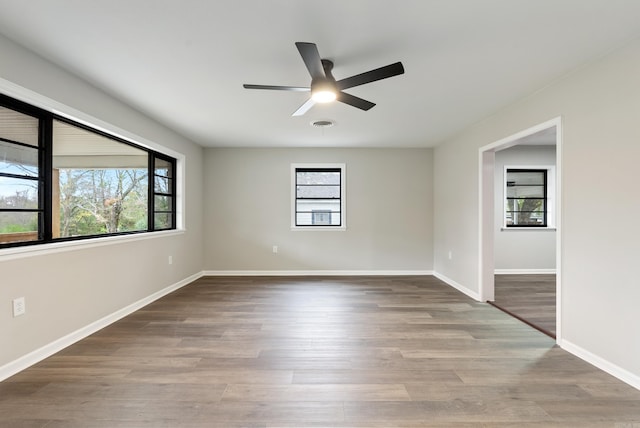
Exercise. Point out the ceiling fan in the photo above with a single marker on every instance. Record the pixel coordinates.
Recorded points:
(324, 87)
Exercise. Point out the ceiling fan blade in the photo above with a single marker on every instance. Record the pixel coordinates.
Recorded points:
(304, 107)
(354, 101)
(278, 88)
(371, 76)
(311, 58)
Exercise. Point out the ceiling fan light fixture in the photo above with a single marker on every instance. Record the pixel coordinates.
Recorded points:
(323, 91)
(323, 96)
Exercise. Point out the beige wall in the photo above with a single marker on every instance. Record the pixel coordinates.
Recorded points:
(388, 204)
(72, 288)
(599, 105)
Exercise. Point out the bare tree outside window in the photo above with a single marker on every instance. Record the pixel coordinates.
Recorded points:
(94, 202)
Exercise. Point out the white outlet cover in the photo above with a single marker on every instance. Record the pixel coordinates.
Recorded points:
(19, 307)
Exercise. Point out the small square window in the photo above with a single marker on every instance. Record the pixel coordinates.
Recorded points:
(318, 196)
(526, 199)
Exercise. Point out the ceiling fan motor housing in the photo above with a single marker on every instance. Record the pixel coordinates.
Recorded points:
(326, 83)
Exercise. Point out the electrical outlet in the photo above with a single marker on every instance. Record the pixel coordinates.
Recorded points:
(450, 254)
(170, 260)
(275, 248)
(19, 306)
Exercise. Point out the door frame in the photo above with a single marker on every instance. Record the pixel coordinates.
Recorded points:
(486, 213)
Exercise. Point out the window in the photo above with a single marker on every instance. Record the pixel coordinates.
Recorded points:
(101, 184)
(61, 180)
(21, 202)
(318, 196)
(526, 198)
(164, 201)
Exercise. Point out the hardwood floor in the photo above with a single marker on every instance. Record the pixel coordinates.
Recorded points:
(531, 298)
(316, 352)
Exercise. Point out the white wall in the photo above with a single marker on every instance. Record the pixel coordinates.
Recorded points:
(519, 250)
(76, 286)
(388, 204)
(599, 105)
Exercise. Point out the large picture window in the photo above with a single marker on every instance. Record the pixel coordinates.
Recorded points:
(100, 184)
(318, 196)
(61, 180)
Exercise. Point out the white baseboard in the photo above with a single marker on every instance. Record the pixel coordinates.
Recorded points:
(524, 271)
(317, 272)
(57, 345)
(602, 364)
(459, 287)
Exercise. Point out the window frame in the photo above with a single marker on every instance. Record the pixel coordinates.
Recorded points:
(45, 169)
(548, 200)
(319, 167)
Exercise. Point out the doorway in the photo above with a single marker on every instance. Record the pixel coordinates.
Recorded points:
(520, 264)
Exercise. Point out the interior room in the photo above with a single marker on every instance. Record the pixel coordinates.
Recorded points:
(273, 259)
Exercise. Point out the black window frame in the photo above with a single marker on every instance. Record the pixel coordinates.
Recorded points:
(328, 169)
(171, 191)
(45, 175)
(543, 199)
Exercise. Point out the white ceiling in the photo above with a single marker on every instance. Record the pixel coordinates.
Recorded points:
(183, 62)
(546, 137)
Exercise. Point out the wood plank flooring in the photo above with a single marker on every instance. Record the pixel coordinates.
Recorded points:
(531, 298)
(316, 352)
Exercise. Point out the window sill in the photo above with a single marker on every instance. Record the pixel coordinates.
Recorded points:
(528, 229)
(58, 247)
(318, 228)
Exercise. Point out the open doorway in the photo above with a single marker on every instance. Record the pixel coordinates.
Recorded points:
(519, 216)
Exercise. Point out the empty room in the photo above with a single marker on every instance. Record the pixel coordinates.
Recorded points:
(351, 213)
